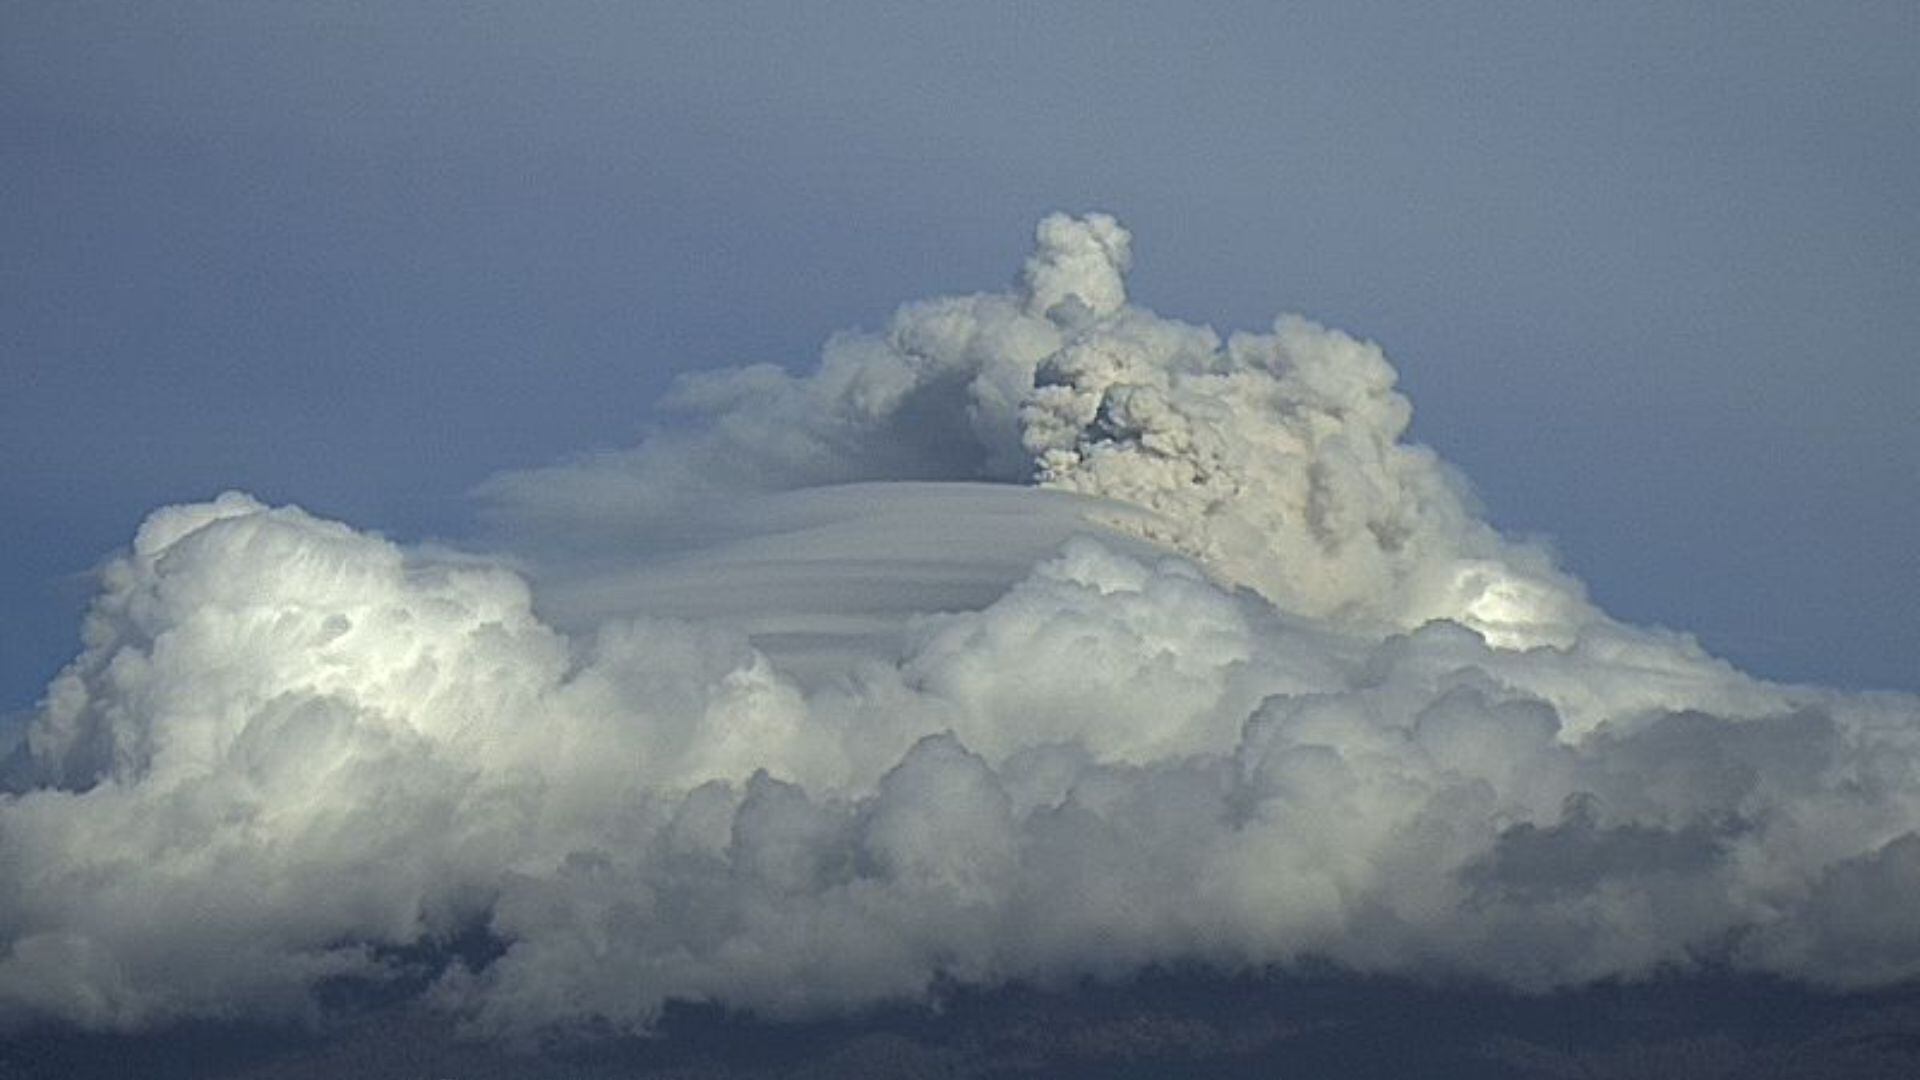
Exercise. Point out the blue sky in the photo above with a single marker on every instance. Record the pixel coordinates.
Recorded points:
(1651, 273)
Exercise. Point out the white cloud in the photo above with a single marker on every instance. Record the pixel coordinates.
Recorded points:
(1218, 668)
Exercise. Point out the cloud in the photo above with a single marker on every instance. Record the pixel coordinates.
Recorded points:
(1036, 636)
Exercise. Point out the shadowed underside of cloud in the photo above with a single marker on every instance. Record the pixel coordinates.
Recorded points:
(1033, 638)
(1188, 1023)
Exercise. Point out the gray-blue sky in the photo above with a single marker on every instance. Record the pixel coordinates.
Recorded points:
(1651, 272)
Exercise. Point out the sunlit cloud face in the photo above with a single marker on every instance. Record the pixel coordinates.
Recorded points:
(1033, 637)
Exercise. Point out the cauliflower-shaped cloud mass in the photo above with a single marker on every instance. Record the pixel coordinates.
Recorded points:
(1036, 636)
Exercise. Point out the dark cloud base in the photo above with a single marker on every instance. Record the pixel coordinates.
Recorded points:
(1160, 1023)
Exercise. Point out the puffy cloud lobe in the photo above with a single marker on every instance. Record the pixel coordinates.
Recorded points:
(1286, 698)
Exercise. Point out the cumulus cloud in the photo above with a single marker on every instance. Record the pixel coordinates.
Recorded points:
(1036, 636)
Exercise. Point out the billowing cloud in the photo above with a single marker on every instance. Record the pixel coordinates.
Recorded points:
(1036, 636)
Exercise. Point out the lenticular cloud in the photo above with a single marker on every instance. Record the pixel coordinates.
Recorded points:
(1035, 637)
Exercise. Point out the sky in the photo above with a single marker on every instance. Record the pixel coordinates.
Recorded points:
(591, 507)
(1648, 272)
